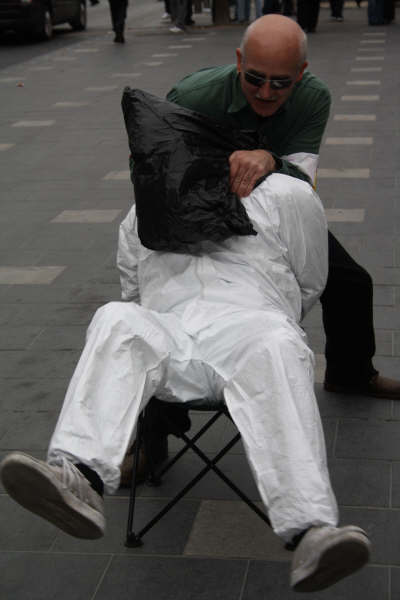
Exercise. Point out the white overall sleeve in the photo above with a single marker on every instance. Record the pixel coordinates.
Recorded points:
(303, 228)
(127, 257)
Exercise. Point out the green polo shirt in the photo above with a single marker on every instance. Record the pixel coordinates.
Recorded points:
(297, 127)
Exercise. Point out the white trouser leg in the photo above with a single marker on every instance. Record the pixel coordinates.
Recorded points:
(271, 400)
(122, 365)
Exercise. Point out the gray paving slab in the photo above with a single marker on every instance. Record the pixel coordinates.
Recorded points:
(169, 538)
(230, 528)
(269, 581)
(50, 575)
(172, 579)
(22, 531)
(368, 439)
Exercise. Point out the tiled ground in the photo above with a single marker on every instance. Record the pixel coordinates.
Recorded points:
(64, 191)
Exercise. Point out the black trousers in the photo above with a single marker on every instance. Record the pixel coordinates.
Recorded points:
(347, 312)
(287, 7)
(307, 14)
(118, 10)
(337, 8)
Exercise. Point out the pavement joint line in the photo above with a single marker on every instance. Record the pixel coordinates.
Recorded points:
(44, 68)
(356, 141)
(343, 173)
(30, 275)
(126, 74)
(178, 46)
(372, 41)
(345, 215)
(11, 79)
(366, 69)
(70, 104)
(364, 82)
(48, 123)
(117, 175)
(87, 216)
(374, 33)
(361, 98)
(371, 49)
(354, 117)
(370, 58)
(164, 55)
(86, 50)
(103, 88)
(153, 64)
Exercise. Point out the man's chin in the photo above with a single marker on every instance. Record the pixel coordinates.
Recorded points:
(265, 109)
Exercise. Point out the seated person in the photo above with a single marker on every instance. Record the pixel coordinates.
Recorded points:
(222, 322)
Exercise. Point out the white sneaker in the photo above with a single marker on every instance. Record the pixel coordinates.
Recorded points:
(327, 554)
(176, 29)
(166, 17)
(61, 495)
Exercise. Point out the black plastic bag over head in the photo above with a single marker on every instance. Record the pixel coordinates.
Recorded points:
(180, 173)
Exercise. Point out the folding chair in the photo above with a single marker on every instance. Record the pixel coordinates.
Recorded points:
(133, 538)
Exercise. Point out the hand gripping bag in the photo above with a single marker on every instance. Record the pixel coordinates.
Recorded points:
(180, 173)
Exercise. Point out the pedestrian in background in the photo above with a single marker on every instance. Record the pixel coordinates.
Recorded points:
(337, 10)
(376, 10)
(287, 8)
(118, 9)
(243, 11)
(179, 15)
(307, 14)
(271, 6)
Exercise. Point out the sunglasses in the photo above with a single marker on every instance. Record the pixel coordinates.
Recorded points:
(260, 80)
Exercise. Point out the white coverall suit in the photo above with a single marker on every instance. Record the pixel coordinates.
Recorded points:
(221, 322)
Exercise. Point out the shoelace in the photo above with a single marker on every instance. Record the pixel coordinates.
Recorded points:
(72, 478)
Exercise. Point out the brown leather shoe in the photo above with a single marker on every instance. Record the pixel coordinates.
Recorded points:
(160, 454)
(377, 387)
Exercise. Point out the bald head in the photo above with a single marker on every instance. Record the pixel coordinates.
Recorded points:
(270, 61)
(275, 35)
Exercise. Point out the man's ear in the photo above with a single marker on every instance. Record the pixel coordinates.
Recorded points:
(238, 59)
(303, 68)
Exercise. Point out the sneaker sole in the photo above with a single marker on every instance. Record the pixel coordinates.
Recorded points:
(30, 484)
(347, 554)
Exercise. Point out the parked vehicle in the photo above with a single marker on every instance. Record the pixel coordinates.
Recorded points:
(38, 17)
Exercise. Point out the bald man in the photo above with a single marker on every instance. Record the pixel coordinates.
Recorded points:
(270, 91)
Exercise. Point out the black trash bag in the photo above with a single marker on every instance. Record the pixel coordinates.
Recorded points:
(180, 173)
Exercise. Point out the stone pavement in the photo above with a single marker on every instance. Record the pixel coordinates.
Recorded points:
(64, 190)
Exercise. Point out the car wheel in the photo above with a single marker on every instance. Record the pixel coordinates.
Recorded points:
(80, 21)
(45, 29)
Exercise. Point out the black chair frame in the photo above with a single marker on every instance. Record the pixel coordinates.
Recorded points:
(133, 538)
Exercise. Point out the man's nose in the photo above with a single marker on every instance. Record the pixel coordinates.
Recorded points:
(265, 91)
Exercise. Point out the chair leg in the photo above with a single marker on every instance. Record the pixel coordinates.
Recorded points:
(132, 539)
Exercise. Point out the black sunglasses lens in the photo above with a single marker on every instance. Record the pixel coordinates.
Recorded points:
(254, 79)
(280, 84)
(257, 81)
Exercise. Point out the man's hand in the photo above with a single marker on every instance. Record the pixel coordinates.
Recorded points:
(247, 166)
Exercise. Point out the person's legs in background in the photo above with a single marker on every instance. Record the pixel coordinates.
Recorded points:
(258, 5)
(178, 15)
(313, 16)
(118, 10)
(337, 10)
(287, 8)
(243, 11)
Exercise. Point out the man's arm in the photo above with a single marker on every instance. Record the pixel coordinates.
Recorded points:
(127, 257)
(289, 143)
(303, 226)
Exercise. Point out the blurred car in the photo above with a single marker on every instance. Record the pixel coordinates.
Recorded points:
(38, 17)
